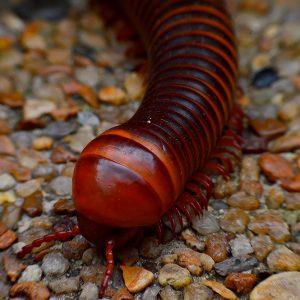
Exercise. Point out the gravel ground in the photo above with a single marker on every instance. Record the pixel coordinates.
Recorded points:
(64, 82)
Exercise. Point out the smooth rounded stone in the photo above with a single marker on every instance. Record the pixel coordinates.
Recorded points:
(93, 273)
(240, 246)
(10, 214)
(112, 95)
(191, 239)
(22, 139)
(220, 289)
(271, 223)
(243, 201)
(74, 249)
(268, 128)
(50, 91)
(134, 85)
(7, 239)
(240, 282)
(88, 256)
(151, 292)
(206, 224)
(292, 201)
(136, 278)
(174, 275)
(275, 198)
(42, 143)
(150, 248)
(33, 204)
(55, 264)
(46, 172)
(235, 220)
(236, 264)
(92, 40)
(31, 289)
(89, 292)
(10, 58)
(292, 185)
(251, 187)
(28, 188)
(218, 205)
(12, 267)
(35, 108)
(265, 77)
(167, 293)
(64, 285)
(250, 169)
(224, 188)
(31, 273)
(286, 143)
(285, 285)
(61, 186)
(89, 75)
(217, 247)
(275, 167)
(6, 182)
(64, 207)
(197, 291)
(7, 197)
(61, 155)
(283, 259)
(6, 146)
(89, 118)
(262, 246)
(289, 111)
(4, 289)
(58, 130)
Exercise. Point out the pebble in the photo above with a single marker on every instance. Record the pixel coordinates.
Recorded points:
(12, 267)
(58, 130)
(150, 248)
(243, 201)
(8, 197)
(265, 78)
(250, 169)
(89, 75)
(197, 291)
(289, 111)
(6, 182)
(75, 248)
(292, 185)
(240, 282)
(61, 155)
(134, 86)
(7, 238)
(33, 290)
(42, 143)
(55, 264)
(275, 198)
(216, 246)
(235, 220)
(61, 186)
(136, 278)
(251, 187)
(191, 239)
(219, 288)
(224, 188)
(122, 294)
(112, 95)
(89, 118)
(93, 273)
(285, 143)
(292, 201)
(35, 108)
(46, 172)
(262, 246)
(271, 223)
(283, 259)
(89, 292)
(6, 146)
(275, 167)
(31, 273)
(240, 246)
(268, 128)
(33, 204)
(206, 224)
(64, 207)
(10, 214)
(280, 286)
(235, 264)
(64, 285)
(28, 188)
(174, 275)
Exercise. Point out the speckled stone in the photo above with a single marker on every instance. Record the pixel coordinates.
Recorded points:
(197, 291)
(64, 285)
(54, 264)
(262, 246)
(235, 220)
(31, 273)
(205, 224)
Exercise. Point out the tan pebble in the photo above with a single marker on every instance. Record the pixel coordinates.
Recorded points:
(134, 86)
(7, 238)
(42, 143)
(268, 128)
(216, 246)
(291, 184)
(6, 146)
(28, 188)
(3, 228)
(33, 204)
(240, 282)
(33, 290)
(275, 198)
(275, 167)
(196, 291)
(93, 273)
(250, 169)
(260, 61)
(224, 188)
(112, 95)
(35, 108)
(136, 278)
(8, 197)
(243, 201)
(13, 100)
(4, 127)
(286, 143)
(262, 246)
(169, 258)
(280, 286)
(12, 267)
(235, 220)
(191, 239)
(220, 289)
(251, 187)
(59, 55)
(122, 294)
(289, 111)
(61, 155)
(292, 201)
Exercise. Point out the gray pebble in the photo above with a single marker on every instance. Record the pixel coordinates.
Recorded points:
(205, 224)
(31, 273)
(89, 292)
(151, 292)
(55, 264)
(87, 117)
(61, 185)
(60, 129)
(6, 182)
(22, 139)
(240, 246)
(64, 285)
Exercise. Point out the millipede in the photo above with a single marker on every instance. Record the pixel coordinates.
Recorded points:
(159, 163)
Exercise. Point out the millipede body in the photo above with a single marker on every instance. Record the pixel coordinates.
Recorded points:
(157, 163)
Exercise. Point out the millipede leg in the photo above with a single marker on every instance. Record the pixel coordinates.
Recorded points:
(172, 222)
(159, 227)
(215, 167)
(179, 216)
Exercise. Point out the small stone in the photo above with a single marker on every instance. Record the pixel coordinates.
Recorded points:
(235, 264)
(285, 285)
(275, 198)
(93, 273)
(74, 249)
(219, 288)
(243, 201)
(12, 267)
(64, 285)
(35, 108)
(268, 128)
(195, 262)
(10, 214)
(13, 100)
(33, 290)
(28, 188)
(122, 294)
(197, 291)
(240, 246)
(89, 292)
(112, 95)
(254, 145)
(286, 143)
(191, 239)
(61, 155)
(206, 224)
(150, 248)
(295, 247)
(265, 78)
(46, 172)
(128, 256)
(42, 143)
(88, 118)
(235, 220)
(31, 273)
(134, 86)
(58, 130)
(30, 158)
(283, 259)
(217, 247)
(33, 204)
(174, 275)
(68, 170)
(240, 282)
(262, 246)
(250, 169)
(289, 111)
(64, 207)
(292, 185)
(136, 278)
(224, 188)
(8, 197)
(61, 185)
(292, 201)
(251, 187)
(7, 239)
(6, 182)
(270, 223)
(275, 167)
(55, 264)
(6, 146)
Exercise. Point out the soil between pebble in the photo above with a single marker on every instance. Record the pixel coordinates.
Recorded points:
(64, 82)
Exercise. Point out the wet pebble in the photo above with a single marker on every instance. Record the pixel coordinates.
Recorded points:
(219, 288)
(275, 198)
(33, 204)
(89, 292)
(33, 290)
(205, 224)
(243, 201)
(268, 128)
(235, 220)
(292, 185)
(12, 267)
(249, 169)
(61, 186)
(240, 282)
(197, 291)
(240, 246)
(134, 86)
(42, 143)
(7, 238)
(87, 117)
(6, 146)
(262, 246)
(31, 273)
(251, 187)
(64, 285)
(285, 143)
(28, 188)
(191, 239)
(74, 249)
(112, 95)
(64, 207)
(58, 130)
(216, 246)
(55, 264)
(6, 182)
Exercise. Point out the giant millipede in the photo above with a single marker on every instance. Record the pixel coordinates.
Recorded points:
(158, 163)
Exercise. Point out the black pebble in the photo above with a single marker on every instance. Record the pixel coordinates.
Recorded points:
(265, 78)
(51, 10)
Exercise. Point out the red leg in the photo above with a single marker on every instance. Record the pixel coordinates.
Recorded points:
(172, 222)
(224, 160)
(178, 214)
(215, 167)
(109, 267)
(57, 236)
(159, 227)
(205, 181)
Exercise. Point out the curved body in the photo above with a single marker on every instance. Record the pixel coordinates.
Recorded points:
(131, 175)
